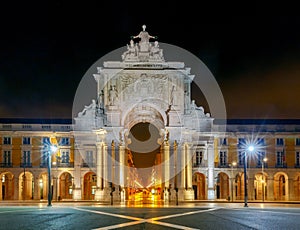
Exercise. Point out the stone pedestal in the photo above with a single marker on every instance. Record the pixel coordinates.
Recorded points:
(189, 194)
(77, 194)
(102, 195)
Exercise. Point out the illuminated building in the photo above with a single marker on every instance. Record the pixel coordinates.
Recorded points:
(184, 149)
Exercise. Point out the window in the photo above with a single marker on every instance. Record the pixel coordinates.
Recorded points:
(260, 158)
(223, 141)
(279, 141)
(280, 158)
(7, 140)
(65, 156)
(26, 140)
(89, 158)
(26, 159)
(198, 158)
(64, 141)
(46, 141)
(297, 141)
(7, 157)
(223, 158)
(297, 159)
(241, 142)
(44, 158)
(240, 158)
(260, 141)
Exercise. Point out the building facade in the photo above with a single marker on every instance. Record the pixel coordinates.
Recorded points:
(143, 139)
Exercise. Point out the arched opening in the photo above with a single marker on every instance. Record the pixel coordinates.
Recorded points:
(222, 186)
(43, 186)
(260, 186)
(239, 186)
(199, 186)
(297, 187)
(7, 186)
(281, 186)
(26, 186)
(89, 186)
(144, 124)
(66, 186)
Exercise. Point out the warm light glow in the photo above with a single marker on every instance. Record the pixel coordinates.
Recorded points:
(251, 148)
(234, 163)
(265, 159)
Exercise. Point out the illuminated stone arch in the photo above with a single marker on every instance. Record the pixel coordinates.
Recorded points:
(26, 185)
(199, 186)
(222, 186)
(296, 186)
(89, 185)
(281, 186)
(7, 185)
(66, 184)
(260, 186)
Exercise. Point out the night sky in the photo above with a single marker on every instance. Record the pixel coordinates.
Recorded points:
(253, 50)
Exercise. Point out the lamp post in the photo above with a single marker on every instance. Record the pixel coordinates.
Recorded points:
(51, 150)
(263, 178)
(249, 149)
(232, 178)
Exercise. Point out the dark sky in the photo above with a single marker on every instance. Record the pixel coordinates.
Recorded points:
(253, 50)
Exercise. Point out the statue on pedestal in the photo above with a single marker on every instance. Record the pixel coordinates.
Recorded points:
(144, 42)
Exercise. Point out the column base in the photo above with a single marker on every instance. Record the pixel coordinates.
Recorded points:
(189, 194)
(210, 194)
(77, 194)
(102, 194)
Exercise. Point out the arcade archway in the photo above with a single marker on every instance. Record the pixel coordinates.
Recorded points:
(144, 152)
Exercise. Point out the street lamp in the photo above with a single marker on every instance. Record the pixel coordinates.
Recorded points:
(263, 178)
(52, 149)
(249, 149)
(233, 164)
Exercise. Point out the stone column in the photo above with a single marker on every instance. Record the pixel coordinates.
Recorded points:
(189, 193)
(166, 170)
(182, 165)
(105, 166)
(250, 185)
(290, 194)
(210, 172)
(36, 188)
(16, 188)
(77, 176)
(270, 188)
(122, 170)
(99, 168)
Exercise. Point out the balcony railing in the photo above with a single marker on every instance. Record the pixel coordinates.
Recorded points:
(259, 165)
(64, 165)
(87, 165)
(224, 165)
(6, 165)
(44, 165)
(282, 165)
(26, 165)
(197, 165)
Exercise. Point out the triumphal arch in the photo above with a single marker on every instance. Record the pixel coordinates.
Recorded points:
(145, 127)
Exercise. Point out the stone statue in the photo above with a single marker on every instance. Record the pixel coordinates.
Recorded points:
(155, 51)
(131, 50)
(113, 95)
(92, 106)
(100, 100)
(144, 42)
